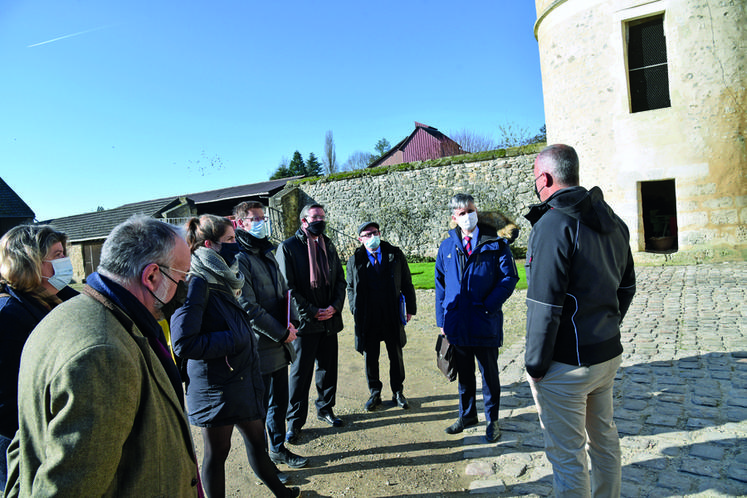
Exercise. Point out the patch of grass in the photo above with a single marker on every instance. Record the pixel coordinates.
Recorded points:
(424, 275)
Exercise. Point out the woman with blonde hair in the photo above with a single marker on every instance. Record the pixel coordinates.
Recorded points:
(34, 273)
(213, 333)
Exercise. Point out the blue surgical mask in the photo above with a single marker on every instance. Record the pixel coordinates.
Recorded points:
(260, 229)
(372, 243)
(63, 272)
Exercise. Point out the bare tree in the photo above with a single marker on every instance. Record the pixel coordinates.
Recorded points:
(330, 158)
(471, 141)
(358, 160)
(512, 135)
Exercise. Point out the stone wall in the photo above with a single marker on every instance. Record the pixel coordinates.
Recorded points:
(412, 206)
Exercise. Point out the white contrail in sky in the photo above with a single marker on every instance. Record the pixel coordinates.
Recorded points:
(67, 36)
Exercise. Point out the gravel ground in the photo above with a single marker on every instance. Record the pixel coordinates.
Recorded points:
(388, 452)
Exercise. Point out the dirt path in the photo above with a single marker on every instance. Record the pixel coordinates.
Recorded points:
(388, 452)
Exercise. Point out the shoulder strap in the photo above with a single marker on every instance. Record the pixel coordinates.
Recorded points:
(125, 320)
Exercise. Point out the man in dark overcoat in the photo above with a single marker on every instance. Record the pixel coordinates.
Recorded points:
(382, 300)
(311, 267)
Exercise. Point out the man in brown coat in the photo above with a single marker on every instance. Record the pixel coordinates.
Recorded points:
(100, 399)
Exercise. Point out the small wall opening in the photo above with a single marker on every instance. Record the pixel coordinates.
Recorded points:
(659, 213)
(91, 257)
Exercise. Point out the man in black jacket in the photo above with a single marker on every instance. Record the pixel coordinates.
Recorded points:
(378, 279)
(312, 268)
(581, 282)
(264, 298)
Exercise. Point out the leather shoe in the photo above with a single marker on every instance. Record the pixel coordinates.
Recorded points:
(400, 399)
(330, 418)
(492, 432)
(292, 436)
(288, 458)
(373, 402)
(460, 425)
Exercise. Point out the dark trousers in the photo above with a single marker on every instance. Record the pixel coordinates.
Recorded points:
(276, 403)
(396, 364)
(311, 348)
(487, 359)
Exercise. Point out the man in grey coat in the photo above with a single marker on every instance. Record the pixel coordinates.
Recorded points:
(265, 299)
(100, 399)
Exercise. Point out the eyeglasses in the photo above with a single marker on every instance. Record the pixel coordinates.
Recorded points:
(368, 235)
(161, 268)
(259, 218)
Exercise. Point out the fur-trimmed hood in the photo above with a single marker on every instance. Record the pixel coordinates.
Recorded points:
(504, 226)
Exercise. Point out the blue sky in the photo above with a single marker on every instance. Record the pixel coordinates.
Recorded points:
(106, 103)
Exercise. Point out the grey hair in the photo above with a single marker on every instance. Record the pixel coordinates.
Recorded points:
(561, 162)
(460, 201)
(307, 208)
(136, 243)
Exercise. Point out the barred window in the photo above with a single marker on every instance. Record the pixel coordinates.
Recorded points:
(647, 64)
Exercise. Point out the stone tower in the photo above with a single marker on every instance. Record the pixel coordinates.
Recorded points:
(652, 94)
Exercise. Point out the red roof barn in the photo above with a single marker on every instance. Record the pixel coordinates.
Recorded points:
(426, 142)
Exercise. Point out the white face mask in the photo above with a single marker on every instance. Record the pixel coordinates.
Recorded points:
(260, 229)
(467, 221)
(373, 242)
(63, 272)
(161, 294)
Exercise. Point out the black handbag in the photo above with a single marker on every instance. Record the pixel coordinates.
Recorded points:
(445, 358)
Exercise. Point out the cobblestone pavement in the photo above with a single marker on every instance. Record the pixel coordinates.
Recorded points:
(680, 395)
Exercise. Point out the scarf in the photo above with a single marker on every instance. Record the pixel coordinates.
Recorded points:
(212, 268)
(318, 262)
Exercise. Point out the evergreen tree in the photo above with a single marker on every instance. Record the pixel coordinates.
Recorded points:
(297, 167)
(281, 172)
(313, 166)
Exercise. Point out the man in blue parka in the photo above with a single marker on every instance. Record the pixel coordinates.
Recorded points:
(475, 274)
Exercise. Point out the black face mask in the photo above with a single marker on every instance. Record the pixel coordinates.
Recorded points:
(316, 228)
(228, 251)
(180, 296)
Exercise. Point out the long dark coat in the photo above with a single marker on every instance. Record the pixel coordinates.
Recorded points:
(397, 281)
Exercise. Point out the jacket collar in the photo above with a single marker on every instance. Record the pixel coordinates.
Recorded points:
(586, 206)
(252, 244)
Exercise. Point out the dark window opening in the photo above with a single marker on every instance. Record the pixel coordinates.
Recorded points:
(647, 64)
(659, 212)
(91, 257)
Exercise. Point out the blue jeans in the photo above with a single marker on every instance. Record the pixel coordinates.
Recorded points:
(4, 443)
